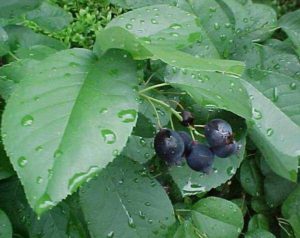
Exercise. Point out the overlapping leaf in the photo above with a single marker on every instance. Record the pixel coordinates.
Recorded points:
(67, 119)
(14, 8)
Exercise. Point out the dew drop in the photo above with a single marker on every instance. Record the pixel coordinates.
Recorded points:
(27, 120)
(128, 26)
(293, 86)
(230, 170)
(39, 180)
(216, 26)
(142, 215)
(154, 21)
(131, 222)
(58, 153)
(127, 116)
(103, 110)
(22, 161)
(270, 132)
(256, 114)
(147, 204)
(175, 34)
(110, 234)
(109, 136)
(39, 148)
(275, 94)
(175, 26)
(212, 9)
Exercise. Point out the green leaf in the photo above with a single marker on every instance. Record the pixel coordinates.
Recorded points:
(290, 23)
(63, 221)
(258, 221)
(133, 204)
(291, 210)
(50, 17)
(191, 182)
(4, 48)
(14, 8)
(259, 233)
(217, 25)
(131, 4)
(250, 178)
(212, 89)
(252, 23)
(36, 52)
(6, 229)
(187, 230)
(274, 183)
(274, 90)
(19, 36)
(67, 119)
(218, 218)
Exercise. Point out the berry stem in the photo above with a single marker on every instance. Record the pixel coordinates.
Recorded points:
(195, 131)
(200, 126)
(149, 79)
(171, 122)
(13, 56)
(153, 87)
(192, 134)
(178, 104)
(156, 113)
(177, 114)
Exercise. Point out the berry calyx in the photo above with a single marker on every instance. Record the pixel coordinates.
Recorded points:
(187, 118)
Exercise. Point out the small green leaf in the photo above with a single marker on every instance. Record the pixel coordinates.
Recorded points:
(251, 179)
(258, 221)
(259, 233)
(67, 119)
(134, 204)
(6, 229)
(291, 210)
(14, 8)
(290, 23)
(218, 218)
(50, 17)
(187, 230)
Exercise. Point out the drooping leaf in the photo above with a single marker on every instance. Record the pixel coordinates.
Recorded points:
(251, 179)
(50, 17)
(14, 8)
(218, 218)
(67, 119)
(212, 89)
(192, 182)
(290, 23)
(291, 210)
(187, 230)
(132, 203)
(274, 90)
(6, 229)
(131, 4)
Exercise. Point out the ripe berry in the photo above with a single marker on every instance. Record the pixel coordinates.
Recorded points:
(200, 158)
(225, 150)
(187, 118)
(218, 133)
(169, 146)
(187, 140)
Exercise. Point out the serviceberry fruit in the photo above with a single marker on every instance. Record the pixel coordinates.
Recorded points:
(187, 140)
(224, 151)
(187, 118)
(169, 146)
(200, 158)
(218, 133)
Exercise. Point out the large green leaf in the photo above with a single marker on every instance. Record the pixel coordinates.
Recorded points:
(126, 202)
(291, 210)
(67, 119)
(63, 221)
(273, 86)
(217, 218)
(290, 23)
(158, 32)
(13, 8)
(50, 17)
(212, 89)
(131, 4)
(191, 182)
(6, 229)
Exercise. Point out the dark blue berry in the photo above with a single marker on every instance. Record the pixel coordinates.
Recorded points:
(169, 146)
(225, 150)
(187, 140)
(218, 133)
(200, 158)
(187, 118)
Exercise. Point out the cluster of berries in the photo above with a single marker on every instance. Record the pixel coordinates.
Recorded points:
(172, 146)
